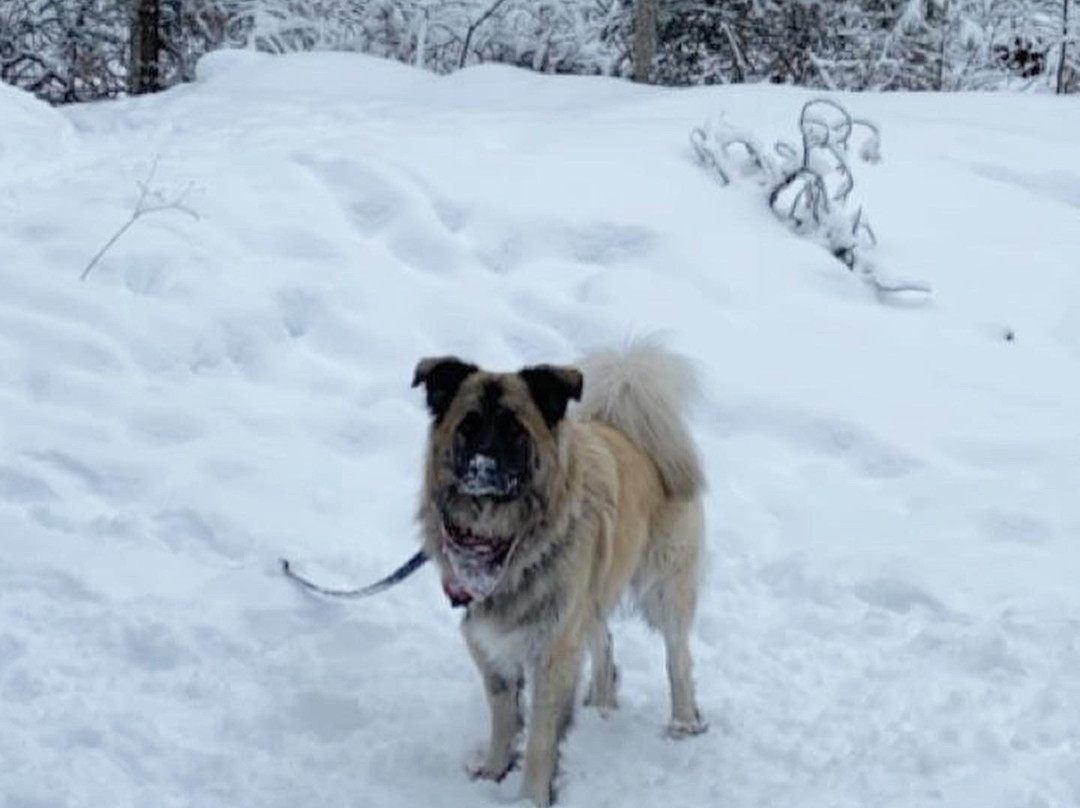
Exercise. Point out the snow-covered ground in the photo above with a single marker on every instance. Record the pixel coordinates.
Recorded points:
(892, 615)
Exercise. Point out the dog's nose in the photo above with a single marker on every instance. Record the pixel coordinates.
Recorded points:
(484, 476)
(482, 465)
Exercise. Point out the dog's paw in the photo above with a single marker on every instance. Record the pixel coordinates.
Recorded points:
(685, 729)
(605, 703)
(486, 769)
(538, 795)
(602, 692)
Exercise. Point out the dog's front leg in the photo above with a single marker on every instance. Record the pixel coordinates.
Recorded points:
(554, 683)
(504, 701)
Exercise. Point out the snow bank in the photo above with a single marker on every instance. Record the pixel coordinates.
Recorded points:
(33, 135)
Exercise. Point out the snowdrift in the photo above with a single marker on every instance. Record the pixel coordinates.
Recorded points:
(891, 615)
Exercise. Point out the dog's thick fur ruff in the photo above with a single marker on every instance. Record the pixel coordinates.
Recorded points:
(612, 507)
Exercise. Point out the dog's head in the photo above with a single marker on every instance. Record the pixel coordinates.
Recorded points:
(493, 432)
(493, 453)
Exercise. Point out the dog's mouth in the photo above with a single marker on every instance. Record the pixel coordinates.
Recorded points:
(477, 563)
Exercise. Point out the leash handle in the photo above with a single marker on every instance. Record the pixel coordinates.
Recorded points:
(396, 577)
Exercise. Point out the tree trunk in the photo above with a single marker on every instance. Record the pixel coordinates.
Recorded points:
(1062, 70)
(943, 47)
(144, 75)
(645, 22)
(71, 92)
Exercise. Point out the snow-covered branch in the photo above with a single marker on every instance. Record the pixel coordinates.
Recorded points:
(809, 186)
(151, 200)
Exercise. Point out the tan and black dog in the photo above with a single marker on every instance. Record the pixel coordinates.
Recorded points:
(541, 516)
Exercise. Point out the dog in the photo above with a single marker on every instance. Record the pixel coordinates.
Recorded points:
(541, 516)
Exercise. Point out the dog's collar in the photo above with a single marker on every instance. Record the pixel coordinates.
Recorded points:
(469, 557)
(456, 593)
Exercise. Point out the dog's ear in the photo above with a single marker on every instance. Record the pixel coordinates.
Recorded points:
(552, 388)
(441, 376)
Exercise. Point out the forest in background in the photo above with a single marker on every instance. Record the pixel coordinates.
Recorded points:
(78, 50)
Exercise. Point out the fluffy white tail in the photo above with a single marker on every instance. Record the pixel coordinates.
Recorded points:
(643, 391)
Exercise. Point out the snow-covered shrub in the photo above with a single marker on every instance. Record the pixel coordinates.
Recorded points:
(79, 50)
(810, 185)
(64, 50)
(441, 35)
(68, 50)
(73, 50)
(719, 41)
(860, 44)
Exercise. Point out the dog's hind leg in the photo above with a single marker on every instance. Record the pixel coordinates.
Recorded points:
(685, 716)
(668, 599)
(504, 701)
(605, 676)
(666, 608)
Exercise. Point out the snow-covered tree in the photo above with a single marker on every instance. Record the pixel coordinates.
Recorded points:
(63, 50)
(67, 50)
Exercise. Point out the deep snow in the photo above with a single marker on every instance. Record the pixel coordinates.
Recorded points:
(891, 618)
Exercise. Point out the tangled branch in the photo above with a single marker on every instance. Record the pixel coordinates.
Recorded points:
(809, 186)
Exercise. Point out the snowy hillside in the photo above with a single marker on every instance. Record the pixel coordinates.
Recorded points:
(892, 615)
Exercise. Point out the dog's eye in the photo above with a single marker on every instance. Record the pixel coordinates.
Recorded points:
(508, 425)
(470, 425)
(511, 428)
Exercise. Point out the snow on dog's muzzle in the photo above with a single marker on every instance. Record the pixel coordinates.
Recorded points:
(484, 477)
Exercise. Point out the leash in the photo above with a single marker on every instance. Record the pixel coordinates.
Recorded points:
(395, 577)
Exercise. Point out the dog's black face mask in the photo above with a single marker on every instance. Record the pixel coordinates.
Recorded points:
(488, 437)
(492, 451)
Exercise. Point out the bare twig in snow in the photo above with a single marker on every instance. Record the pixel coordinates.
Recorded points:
(151, 200)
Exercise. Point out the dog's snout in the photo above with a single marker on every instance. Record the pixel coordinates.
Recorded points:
(481, 465)
(484, 475)
(487, 439)
(490, 453)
